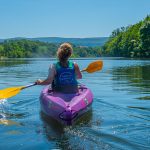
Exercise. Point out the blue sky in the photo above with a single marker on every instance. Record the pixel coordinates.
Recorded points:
(68, 18)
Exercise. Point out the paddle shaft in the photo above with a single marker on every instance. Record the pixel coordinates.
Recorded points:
(29, 85)
(83, 70)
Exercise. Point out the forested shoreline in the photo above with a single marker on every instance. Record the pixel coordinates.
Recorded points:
(28, 49)
(131, 41)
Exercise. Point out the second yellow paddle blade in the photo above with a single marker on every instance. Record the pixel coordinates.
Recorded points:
(94, 66)
(9, 92)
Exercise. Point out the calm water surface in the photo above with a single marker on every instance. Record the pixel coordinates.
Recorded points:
(119, 119)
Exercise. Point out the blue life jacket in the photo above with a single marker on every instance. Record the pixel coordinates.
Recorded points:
(65, 79)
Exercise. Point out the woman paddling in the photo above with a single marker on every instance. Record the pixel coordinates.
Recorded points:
(63, 75)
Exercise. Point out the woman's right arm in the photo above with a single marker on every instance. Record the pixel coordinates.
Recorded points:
(49, 79)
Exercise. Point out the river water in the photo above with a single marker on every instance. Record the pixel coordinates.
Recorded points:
(119, 119)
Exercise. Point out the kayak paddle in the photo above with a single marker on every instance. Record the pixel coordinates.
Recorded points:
(94, 66)
(12, 91)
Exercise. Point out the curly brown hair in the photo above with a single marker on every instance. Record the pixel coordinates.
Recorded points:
(64, 52)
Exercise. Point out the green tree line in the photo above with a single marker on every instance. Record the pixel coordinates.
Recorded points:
(27, 49)
(131, 41)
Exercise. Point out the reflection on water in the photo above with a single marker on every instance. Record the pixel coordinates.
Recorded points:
(6, 116)
(144, 98)
(141, 108)
(8, 122)
(119, 119)
(13, 62)
(137, 76)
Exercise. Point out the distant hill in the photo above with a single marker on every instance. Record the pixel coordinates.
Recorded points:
(1, 40)
(90, 42)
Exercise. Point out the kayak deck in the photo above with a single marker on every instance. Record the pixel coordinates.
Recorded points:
(65, 107)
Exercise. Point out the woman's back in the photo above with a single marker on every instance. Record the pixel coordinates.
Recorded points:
(65, 79)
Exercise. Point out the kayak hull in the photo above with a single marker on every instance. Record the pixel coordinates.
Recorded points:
(66, 108)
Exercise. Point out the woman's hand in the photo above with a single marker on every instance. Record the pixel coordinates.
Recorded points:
(38, 82)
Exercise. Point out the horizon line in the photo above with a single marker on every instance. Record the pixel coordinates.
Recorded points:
(54, 37)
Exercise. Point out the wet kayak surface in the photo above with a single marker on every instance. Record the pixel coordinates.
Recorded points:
(119, 118)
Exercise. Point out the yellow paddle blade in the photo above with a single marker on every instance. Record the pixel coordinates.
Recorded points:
(9, 92)
(94, 66)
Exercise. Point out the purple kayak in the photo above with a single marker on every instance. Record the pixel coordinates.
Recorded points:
(66, 108)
